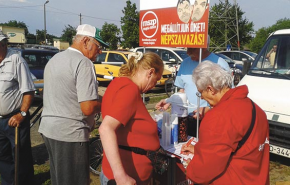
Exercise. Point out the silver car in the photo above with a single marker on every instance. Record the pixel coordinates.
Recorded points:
(172, 57)
(240, 56)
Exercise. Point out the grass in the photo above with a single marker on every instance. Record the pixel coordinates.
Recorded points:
(279, 173)
(41, 174)
(155, 97)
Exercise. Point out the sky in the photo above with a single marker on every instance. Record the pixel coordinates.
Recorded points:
(60, 13)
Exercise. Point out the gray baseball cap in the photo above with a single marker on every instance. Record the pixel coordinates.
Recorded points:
(3, 36)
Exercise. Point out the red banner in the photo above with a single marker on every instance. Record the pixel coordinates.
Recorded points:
(184, 25)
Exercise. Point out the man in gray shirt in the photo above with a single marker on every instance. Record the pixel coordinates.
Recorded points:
(16, 95)
(70, 103)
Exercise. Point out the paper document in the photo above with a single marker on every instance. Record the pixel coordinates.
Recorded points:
(175, 149)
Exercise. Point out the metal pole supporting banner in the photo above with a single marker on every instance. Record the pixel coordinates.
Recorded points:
(198, 99)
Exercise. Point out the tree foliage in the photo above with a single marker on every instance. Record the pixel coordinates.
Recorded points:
(111, 34)
(263, 33)
(68, 33)
(40, 37)
(17, 24)
(130, 26)
(222, 26)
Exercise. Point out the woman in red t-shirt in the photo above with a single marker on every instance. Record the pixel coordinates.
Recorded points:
(127, 122)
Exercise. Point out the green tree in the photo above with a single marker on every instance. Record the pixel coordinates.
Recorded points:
(263, 33)
(110, 34)
(17, 24)
(222, 26)
(130, 26)
(40, 37)
(31, 38)
(68, 33)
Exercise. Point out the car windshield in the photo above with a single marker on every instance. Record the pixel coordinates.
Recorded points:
(273, 64)
(126, 55)
(251, 54)
(37, 59)
(182, 54)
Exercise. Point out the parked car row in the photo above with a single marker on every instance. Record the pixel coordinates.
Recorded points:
(109, 62)
(236, 69)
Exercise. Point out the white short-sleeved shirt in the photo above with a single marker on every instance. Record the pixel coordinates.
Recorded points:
(15, 79)
(184, 78)
(69, 78)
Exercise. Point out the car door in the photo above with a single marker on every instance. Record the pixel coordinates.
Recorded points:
(170, 59)
(37, 60)
(114, 63)
(100, 65)
(228, 54)
(237, 57)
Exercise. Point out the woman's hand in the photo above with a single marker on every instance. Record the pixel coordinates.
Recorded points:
(202, 111)
(187, 149)
(125, 180)
(162, 105)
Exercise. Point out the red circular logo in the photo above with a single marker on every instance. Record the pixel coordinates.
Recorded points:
(149, 24)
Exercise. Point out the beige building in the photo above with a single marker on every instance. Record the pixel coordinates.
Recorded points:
(61, 45)
(16, 35)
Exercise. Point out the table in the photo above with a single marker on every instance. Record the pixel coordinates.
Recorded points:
(175, 174)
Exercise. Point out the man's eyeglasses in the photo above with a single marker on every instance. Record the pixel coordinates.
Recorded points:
(99, 46)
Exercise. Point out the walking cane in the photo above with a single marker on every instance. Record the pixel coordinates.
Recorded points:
(16, 161)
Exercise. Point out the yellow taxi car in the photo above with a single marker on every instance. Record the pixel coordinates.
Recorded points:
(109, 62)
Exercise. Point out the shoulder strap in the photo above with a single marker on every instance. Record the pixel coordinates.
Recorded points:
(248, 133)
(134, 149)
(240, 144)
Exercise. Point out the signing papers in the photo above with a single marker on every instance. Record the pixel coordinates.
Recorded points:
(176, 150)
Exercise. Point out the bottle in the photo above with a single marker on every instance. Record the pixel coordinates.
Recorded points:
(166, 130)
(182, 129)
(174, 131)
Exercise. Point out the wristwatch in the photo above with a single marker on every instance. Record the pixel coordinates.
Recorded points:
(23, 113)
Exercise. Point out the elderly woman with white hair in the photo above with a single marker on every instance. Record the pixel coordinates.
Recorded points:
(233, 146)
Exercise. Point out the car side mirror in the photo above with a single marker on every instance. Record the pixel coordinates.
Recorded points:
(246, 67)
(244, 59)
(172, 60)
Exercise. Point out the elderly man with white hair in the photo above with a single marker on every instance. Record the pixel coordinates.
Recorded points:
(70, 102)
(233, 146)
(16, 96)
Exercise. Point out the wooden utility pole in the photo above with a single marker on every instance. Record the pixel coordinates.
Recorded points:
(80, 18)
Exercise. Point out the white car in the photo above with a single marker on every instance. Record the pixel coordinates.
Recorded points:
(172, 57)
(269, 87)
